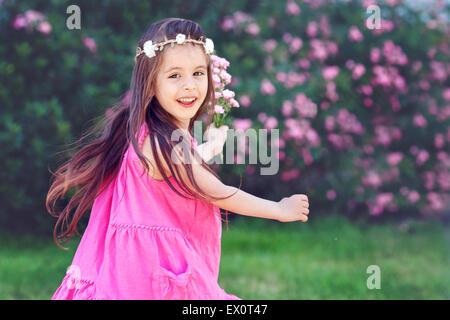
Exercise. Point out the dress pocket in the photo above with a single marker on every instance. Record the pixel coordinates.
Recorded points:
(170, 286)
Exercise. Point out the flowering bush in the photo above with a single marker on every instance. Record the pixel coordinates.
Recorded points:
(364, 114)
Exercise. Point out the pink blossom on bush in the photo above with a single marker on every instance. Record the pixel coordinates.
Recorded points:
(44, 27)
(413, 196)
(331, 91)
(30, 19)
(245, 101)
(250, 169)
(295, 45)
(358, 71)
(367, 3)
(439, 140)
(321, 49)
(429, 180)
(287, 37)
(304, 106)
(329, 123)
(227, 24)
(271, 123)
(422, 157)
(368, 149)
(324, 105)
(329, 73)
(371, 179)
(242, 124)
(312, 137)
(436, 202)
(332, 47)
(252, 29)
(267, 87)
(292, 8)
(312, 29)
(395, 104)
(367, 90)
(394, 158)
(368, 102)
(34, 16)
(270, 45)
(290, 174)
(384, 199)
(348, 122)
(446, 94)
(375, 54)
(304, 63)
(394, 54)
(287, 108)
(416, 66)
(354, 34)
(350, 64)
(19, 22)
(444, 180)
(306, 155)
(363, 163)
(262, 116)
(419, 121)
(386, 26)
(90, 44)
(331, 194)
(340, 141)
(324, 26)
(438, 71)
(374, 209)
(281, 76)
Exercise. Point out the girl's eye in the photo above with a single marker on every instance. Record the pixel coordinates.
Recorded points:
(172, 76)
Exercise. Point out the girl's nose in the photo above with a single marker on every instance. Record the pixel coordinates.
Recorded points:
(189, 84)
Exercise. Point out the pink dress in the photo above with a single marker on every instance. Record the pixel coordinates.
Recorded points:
(144, 241)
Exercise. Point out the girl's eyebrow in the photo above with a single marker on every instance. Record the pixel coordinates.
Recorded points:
(173, 68)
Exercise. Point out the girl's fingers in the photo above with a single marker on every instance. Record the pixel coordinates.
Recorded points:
(303, 218)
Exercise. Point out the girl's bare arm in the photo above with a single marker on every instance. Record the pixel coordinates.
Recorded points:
(293, 208)
(247, 204)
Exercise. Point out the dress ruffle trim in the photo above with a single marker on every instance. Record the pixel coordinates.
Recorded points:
(73, 288)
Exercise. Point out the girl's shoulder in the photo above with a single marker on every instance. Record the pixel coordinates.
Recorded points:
(148, 153)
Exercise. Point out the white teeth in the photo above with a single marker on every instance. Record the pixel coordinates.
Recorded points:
(186, 100)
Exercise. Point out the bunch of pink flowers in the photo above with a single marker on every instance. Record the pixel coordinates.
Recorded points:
(224, 98)
(32, 19)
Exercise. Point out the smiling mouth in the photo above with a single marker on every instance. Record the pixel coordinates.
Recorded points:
(187, 104)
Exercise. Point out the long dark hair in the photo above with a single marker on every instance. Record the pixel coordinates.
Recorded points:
(97, 163)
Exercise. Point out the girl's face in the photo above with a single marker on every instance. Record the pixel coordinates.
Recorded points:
(183, 74)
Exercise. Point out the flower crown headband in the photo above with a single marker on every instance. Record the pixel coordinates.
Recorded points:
(150, 48)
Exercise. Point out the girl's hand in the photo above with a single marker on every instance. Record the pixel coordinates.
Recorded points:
(293, 208)
(216, 136)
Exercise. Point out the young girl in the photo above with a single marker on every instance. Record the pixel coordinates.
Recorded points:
(154, 232)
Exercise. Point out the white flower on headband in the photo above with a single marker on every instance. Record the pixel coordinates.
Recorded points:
(149, 49)
(209, 46)
(180, 38)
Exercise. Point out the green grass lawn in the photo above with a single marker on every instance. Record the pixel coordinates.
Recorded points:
(325, 258)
